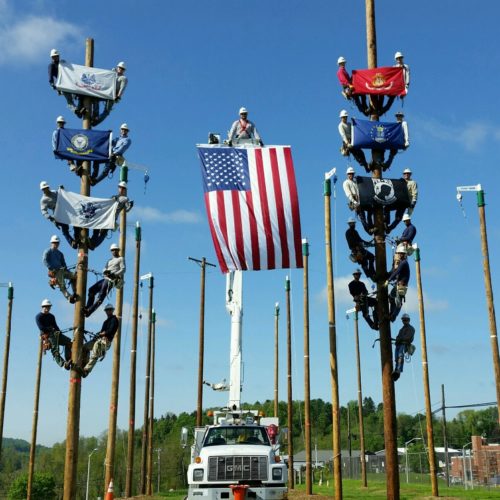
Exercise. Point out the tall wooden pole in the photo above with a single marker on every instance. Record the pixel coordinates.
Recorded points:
(360, 404)
(133, 364)
(489, 295)
(34, 426)
(276, 357)
(425, 375)
(109, 462)
(307, 377)
(147, 386)
(388, 395)
(149, 473)
(291, 472)
(445, 438)
(75, 386)
(6, 353)
(201, 342)
(332, 334)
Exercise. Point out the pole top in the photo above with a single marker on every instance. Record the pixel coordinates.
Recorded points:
(305, 247)
(327, 187)
(287, 284)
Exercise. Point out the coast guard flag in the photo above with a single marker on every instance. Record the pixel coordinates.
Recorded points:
(83, 211)
(383, 81)
(84, 80)
(391, 193)
(252, 206)
(76, 144)
(377, 135)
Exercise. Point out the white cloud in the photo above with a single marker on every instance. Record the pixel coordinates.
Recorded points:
(151, 214)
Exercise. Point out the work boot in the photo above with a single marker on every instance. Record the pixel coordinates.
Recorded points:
(68, 365)
(395, 375)
(72, 298)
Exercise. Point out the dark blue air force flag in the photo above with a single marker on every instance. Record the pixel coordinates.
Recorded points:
(377, 135)
(76, 144)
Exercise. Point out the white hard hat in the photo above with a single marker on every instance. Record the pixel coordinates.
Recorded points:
(122, 184)
(114, 246)
(401, 249)
(55, 239)
(398, 54)
(109, 306)
(406, 171)
(350, 170)
(60, 119)
(124, 126)
(351, 220)
(341, 59)
(46, 302)
(44, 185)
(343, 113)
(399, 113)
(405, 316)
(356, 271)
(406, 217)
(121, 64)
(54, 52)
(243, 110)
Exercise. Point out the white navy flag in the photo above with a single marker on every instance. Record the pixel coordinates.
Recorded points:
(83, 211)
(84, 80)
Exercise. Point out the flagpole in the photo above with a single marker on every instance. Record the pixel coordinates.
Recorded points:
(291, 471)
(276, 359)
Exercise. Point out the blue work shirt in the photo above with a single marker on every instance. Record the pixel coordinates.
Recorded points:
(409, 233)
(53, 259)
(120, 145)
(401, 273)
(46, 323)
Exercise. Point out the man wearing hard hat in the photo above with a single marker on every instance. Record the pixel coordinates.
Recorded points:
(345, 132)
(243, 129)
(403, 345)
(363, 300)
(400, 277)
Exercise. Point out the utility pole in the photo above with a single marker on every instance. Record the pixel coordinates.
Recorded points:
(144, 449)
(133, 364)
(445, 438)
(34, 426)
(388, 395)
(307, 381)
(201, 350)
(149, 474)
(109, 462)
(332, 334)
(425, 375)
(291, 471)
(276, 356)
(75, 386)
(6, 352)
(487, 283)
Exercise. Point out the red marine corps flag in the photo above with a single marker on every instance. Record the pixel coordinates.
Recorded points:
(379, 81)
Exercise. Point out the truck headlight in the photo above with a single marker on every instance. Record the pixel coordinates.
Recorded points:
(277, 474)
(198, 475)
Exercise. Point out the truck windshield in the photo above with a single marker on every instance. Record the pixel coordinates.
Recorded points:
(236, 435)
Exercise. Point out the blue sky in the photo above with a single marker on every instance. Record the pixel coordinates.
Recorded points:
(191, 65)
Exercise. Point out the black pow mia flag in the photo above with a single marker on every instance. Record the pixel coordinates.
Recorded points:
(390, 193)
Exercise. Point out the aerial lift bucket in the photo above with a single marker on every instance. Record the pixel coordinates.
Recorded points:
(239, 491)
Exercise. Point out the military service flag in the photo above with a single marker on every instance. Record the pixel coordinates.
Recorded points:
(390, 193)
(377, 135)
(382, 81)
(76, 144)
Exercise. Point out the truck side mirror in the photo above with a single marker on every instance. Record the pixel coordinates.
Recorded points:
(283, 435)
(184, 437)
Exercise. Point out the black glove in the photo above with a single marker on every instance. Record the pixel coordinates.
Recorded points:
(413, 203)
(230, 143)
(51, 218)
(261, 143)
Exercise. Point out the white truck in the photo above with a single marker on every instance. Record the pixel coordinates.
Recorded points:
(237, 455)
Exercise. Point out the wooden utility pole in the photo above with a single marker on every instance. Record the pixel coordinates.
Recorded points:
(109, 463)
(6, 352)
(332, 334)
(34, 426)
(145, 427)
(291, 472)
(149, 473)
(75, 386)
(307, 378)
(276, 357)
(360, 404)
(133, 364)
(445, 438)
(201, 349)
(425, 375)
(388, 395)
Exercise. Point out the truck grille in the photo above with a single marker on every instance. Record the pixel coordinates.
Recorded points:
(237, 468)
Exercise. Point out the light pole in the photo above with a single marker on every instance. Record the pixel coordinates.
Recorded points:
(158, 450)
(88, 474)
(464, 465)
(406, 456)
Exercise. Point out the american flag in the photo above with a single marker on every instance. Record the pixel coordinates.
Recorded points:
(252, 207)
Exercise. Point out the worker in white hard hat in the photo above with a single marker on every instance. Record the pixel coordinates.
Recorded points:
(412, 187)
(54, 67)
(399, 277)
(124, 203)
(113, 273)
(351, 191)
(345, 81)
(243, 130)
(58, 271)
(409, 232)
(403, 346)
(119, 146)
(399, 58)
(96, 349)
(345, 131)
(359, 253)
(363, 300)
(51, 335)
(393, 152)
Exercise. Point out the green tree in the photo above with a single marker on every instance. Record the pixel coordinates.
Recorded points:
(44, 487)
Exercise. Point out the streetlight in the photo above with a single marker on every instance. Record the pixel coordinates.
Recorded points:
(158, 450)
(464, 465)
(406, 456)
(88, 474)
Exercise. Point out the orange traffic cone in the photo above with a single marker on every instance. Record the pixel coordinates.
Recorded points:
(110, 495)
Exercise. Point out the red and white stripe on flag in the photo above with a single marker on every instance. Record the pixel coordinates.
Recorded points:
(258, 228)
